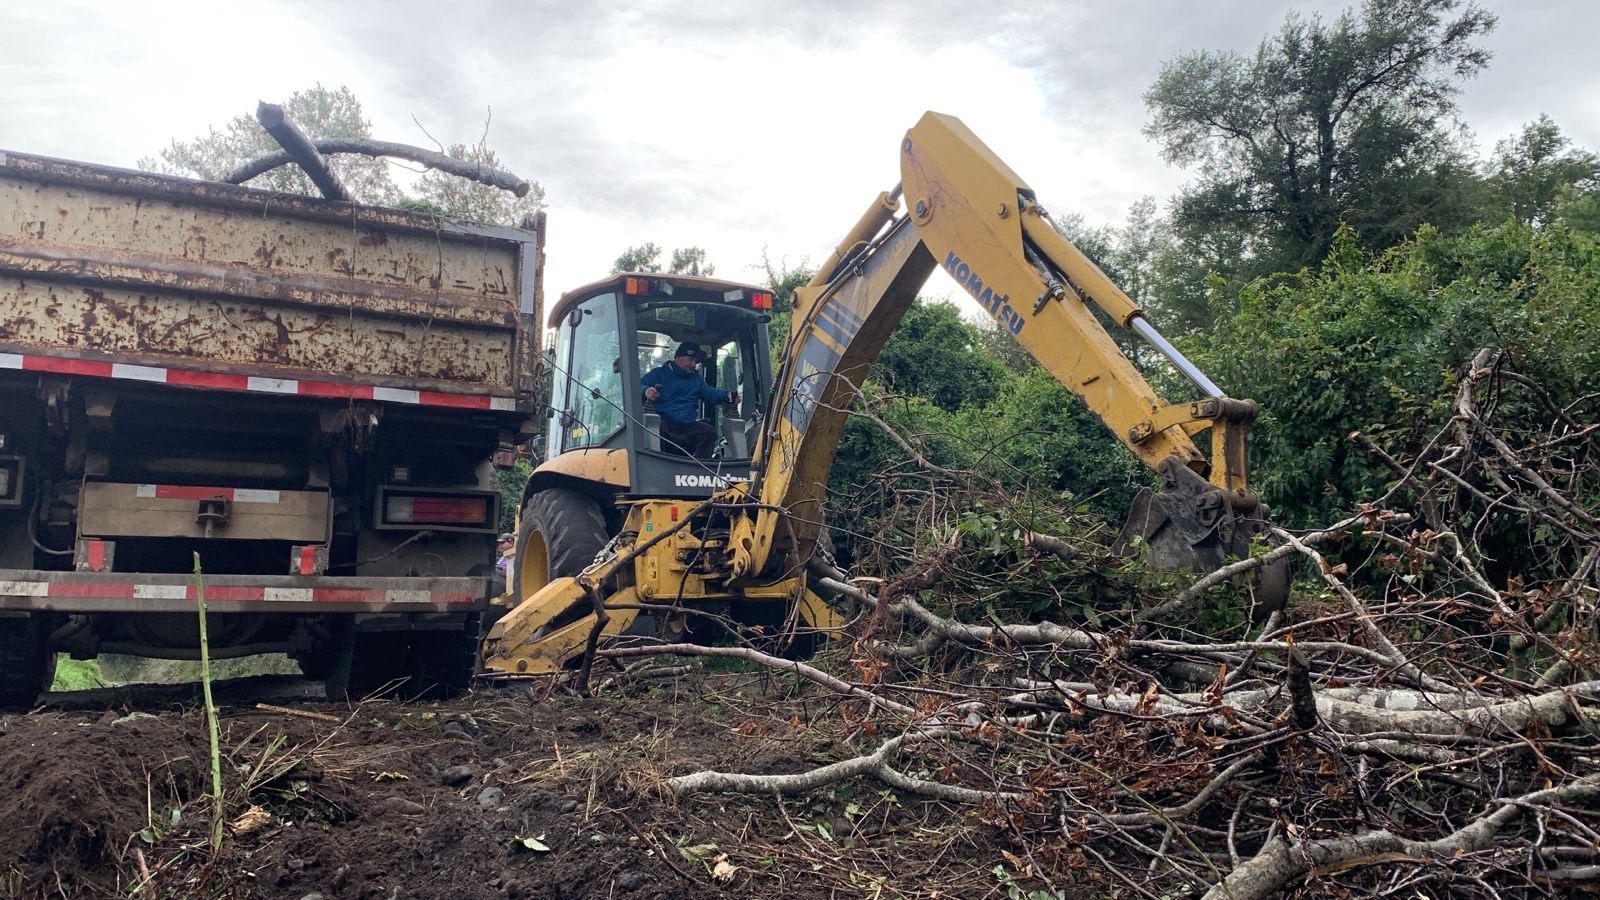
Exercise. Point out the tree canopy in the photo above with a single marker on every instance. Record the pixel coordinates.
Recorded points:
(1348, 122)
(646, 257)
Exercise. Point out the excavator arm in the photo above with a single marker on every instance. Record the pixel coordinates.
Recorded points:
(970, 214)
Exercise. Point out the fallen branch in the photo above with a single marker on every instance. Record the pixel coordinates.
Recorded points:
(478, 172)
(299, 148)
(876, 764)
(810, 673)
(1279, 862)
(302, 713)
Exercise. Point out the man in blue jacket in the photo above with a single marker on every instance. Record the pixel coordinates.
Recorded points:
(677, 389)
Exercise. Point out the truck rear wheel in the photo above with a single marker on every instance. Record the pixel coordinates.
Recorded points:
(560, 534)
(368, 664)
(443, 662)
(26, 664)
(411, 665)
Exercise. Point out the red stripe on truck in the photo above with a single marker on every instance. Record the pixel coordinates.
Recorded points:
(91, 589)
(66, 366)
(329, 389)
(348, 595)
(464, 401)
(208, 379)
(190, 492)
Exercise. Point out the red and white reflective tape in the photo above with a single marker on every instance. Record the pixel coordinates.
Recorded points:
(191, 492)
(130, 591)
(192, 378)
(306, 559)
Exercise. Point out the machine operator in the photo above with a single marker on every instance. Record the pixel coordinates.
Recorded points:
(676, 388)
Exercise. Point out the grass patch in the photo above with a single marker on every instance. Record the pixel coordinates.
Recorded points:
(77, 674)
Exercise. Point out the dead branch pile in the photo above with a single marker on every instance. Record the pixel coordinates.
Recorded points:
(1422, 722)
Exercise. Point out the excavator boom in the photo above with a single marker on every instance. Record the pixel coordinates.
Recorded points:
(971, 215)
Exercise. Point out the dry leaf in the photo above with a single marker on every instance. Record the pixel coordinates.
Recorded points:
(250, 820)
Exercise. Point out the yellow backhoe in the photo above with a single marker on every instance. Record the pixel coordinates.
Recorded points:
(623, 531)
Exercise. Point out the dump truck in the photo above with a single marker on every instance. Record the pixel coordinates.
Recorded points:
(303, 399)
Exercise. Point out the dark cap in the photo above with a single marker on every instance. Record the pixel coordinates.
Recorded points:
(506, 536)
(690, 348)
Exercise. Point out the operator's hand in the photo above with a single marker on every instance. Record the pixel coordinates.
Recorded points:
(733, 398)
(651, 393)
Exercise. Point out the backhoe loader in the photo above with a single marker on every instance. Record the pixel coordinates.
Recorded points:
(623, 533)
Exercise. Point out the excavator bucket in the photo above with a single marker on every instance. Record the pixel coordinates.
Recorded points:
(1194, 525)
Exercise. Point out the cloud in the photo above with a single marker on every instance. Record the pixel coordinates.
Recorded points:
(734, 126)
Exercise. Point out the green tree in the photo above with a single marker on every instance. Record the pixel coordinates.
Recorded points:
(782, 280)
(937, 355)
(643, 258)
(691, 261)
(1035, 435)
(1327, 124)
(1535, 171)
(646, 257)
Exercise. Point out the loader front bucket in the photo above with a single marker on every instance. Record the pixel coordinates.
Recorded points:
(1192, 524)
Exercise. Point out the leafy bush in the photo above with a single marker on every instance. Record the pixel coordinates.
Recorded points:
(1373, 343)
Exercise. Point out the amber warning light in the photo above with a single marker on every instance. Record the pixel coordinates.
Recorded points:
(760, 300)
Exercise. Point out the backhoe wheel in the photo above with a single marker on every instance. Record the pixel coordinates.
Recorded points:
(560, 534)
(26, 664)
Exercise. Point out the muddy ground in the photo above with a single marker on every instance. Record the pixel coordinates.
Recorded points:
(506, 792)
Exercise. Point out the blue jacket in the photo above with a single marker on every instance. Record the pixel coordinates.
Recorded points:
(680, 392)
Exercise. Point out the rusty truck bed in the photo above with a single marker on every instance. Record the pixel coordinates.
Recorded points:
(129, 274)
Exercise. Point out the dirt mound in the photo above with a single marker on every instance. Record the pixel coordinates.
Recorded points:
(79, 787)
(501, 794)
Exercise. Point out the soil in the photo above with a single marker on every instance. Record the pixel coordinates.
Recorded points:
(505, 792)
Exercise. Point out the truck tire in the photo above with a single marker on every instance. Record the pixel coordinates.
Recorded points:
(27, 666)
(443, 662)
(560, 533)
(369, 664)
(407, 665)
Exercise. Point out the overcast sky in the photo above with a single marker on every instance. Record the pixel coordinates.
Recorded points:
(736, 126)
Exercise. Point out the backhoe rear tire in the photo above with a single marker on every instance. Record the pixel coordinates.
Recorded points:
(560, 534)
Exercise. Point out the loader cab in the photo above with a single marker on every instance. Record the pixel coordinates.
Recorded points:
(610, 333)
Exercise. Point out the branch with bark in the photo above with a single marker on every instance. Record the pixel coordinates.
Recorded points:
(497, 178)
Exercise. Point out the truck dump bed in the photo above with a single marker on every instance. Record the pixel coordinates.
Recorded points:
(127, 274)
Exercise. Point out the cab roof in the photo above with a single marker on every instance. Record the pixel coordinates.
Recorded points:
(659, 287)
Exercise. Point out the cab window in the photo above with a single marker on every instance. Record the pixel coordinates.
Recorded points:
(590, 410)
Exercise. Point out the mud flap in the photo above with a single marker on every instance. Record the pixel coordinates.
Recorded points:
(1194, 525)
